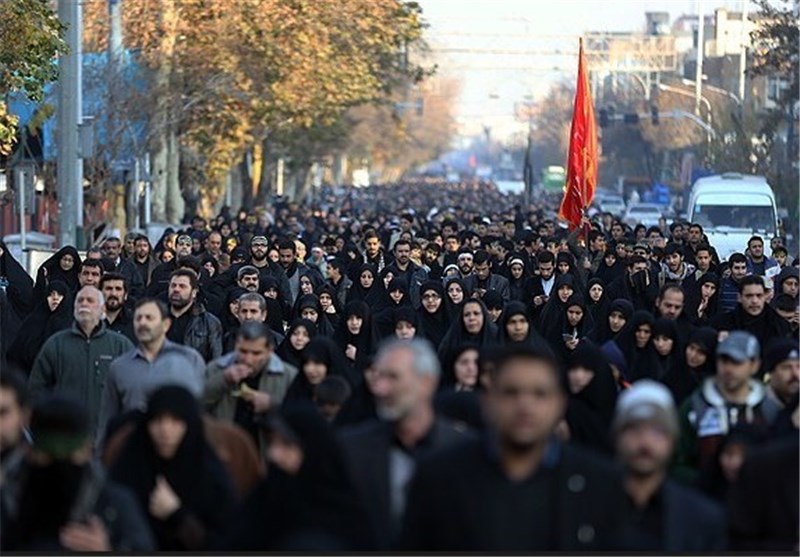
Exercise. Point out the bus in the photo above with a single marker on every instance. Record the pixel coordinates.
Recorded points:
(553, 179)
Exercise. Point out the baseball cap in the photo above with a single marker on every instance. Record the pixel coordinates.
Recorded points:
(646, 400)
(779, 350)
(739, 346)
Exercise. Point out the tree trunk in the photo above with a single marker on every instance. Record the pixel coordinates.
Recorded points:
(175, 203)
(265, 181)
(159, 172)
(302, 183)
(246, 182)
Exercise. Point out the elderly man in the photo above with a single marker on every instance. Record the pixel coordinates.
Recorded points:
(75, 361)
(383, 454)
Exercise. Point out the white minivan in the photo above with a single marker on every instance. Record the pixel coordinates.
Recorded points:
(731, 208)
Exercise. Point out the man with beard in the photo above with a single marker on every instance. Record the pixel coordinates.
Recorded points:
(373, 251)
(161, 274)
(465, 262)
(75, 361)
(141, 265)
(661, 515)
(55, 499)
(154, 362)
(539, 288)
(403, 267)
(248, 278)
(516, 488)
(383, 454)
(191, 324)
(753, 314)
(293, 266)
(782, 367)
(118, 318)
(259, 247)
(674, 270)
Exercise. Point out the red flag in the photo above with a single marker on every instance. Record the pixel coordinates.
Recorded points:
(582, 163)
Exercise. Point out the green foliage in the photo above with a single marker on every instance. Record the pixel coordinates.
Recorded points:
(30, 40)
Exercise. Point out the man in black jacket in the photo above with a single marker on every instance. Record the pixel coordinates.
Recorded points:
(382, 455)
(55, 499)
(517, 488)
(662, 515)
(192, 325)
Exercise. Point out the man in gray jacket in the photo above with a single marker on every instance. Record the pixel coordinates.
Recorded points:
(243, 385)
(75, 361)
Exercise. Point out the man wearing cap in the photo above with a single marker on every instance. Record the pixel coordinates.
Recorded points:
(266, 267)
(782, 370)
(731, 397)
(662, 515)
(55, 499)
(159, 281)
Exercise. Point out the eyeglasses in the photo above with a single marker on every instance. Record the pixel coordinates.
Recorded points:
(431, 296)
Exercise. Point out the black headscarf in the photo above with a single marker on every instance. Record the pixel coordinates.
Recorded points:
(316, 509)
(194, 473)
(40, 325)
(51, 270)
(597, 309)
(681, 379)
(433, 326)
(458, 335)
(602, 332)
(553, 310)
(590, 411)
(366, 341)
(285, 350)
(18, 294)
(694, 297)
(664, 364)
(371, 295)
(322, 350)
(635, 358)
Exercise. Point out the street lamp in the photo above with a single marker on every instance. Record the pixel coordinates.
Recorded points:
(663, 87)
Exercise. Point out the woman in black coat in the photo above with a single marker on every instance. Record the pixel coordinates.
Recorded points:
(299, 334)
(51, 314)
(64, 265)
(612, 321)
(174, 474)
(592, 397)
(702, 300)
(320, 358)
(307, 501)
(367, 286)
(472, 325)
(697, 363)
(433, 318)
(355, 336)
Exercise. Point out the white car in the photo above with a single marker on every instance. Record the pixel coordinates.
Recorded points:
(646, 213)
(613, 204)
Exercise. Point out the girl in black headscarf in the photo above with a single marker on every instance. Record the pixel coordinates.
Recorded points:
(320, 358)
(702, 300)
(52, 314)
(456, 293)
(696, 365)
(299, 334)
(355, 336)
(635, 341)
(460, 371)
(592, 397)
(596, 300)
(574, 326)
(395, 297)
(278, 309)
(565, 264)
(18, 298)
(174, 474)
(308, 283)
(308, 307)
(610, 267)
(367, 286)
(612, 321)
(433, 319)
(516, 326)
(307, 502)
(471, 326)
(667, 348)
(64, 265)
(550, 318)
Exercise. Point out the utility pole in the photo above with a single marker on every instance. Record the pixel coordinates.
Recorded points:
(70, 166)
(743, 58)
(698, 79)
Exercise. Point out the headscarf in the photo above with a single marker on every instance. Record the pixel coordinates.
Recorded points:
(366, 341)
(458, 335)
(194, 473)
(433, 326)
(681, 379)
(285, 350)
(602, 330)
(322, 350)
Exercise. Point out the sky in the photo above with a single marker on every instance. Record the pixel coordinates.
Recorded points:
(491, 84)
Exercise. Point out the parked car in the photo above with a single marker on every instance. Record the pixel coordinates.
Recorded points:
(613, 204)
(646, 213)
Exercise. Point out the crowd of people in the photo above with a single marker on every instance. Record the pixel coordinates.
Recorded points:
(414, 367)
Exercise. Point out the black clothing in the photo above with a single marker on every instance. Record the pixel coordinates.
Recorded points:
(572, 502)
(177, 331)
(318, 509)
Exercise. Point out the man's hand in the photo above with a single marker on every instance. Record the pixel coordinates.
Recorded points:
(261, 401)
(93, 536)
(163, 500)
(236, 372)
(539, 300)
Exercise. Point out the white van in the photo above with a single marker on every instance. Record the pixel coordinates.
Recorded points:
(731, 208)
